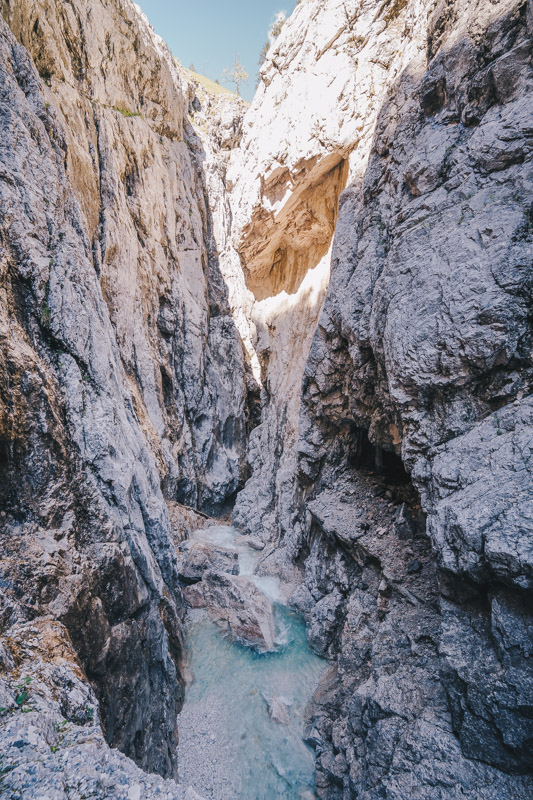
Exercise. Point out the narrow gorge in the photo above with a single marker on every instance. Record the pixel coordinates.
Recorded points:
(266, 409)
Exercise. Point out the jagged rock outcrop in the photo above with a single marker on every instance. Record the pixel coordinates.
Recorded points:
(238, 607)
(52, 742)
(307, 134)
(198, 558)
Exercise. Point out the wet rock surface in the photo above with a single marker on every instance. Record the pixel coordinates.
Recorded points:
(238, 607)
(278, 709)
(211, 574)
(201, 557)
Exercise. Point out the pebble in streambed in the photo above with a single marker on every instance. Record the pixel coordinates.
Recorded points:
(241, 728)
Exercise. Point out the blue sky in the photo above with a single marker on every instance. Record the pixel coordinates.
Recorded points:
(209, 33)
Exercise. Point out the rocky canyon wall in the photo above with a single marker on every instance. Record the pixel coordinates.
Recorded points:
(136, 168)
(319, 309)
(123, 378)
(417, 401)
(306, 136)
(396, 476)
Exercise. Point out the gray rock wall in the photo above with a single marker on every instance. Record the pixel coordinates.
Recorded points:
(308, 133)
(423, 352)
(122, 375)
(52, 740)
(154, 284)
(137, 169)
(85, 531)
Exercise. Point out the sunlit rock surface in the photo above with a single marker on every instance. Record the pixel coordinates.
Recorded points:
(423, 353)
(308, 134)
(421, 361)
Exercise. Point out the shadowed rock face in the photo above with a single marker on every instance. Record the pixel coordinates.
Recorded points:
(52, 740)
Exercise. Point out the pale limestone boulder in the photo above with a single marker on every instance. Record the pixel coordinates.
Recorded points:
(238, 607)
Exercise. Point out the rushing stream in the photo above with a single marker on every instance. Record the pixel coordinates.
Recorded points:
(230, 746)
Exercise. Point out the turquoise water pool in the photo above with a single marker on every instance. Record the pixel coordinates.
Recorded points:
(230, 745)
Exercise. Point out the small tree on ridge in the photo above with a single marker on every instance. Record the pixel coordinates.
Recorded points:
(236, 74)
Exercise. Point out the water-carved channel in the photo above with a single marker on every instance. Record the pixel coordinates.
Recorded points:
(242, 725)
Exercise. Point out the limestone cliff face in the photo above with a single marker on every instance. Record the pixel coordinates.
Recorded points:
(416, 395)
(135, 166)
(307, 134)
(122, 374)
(423, 352)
